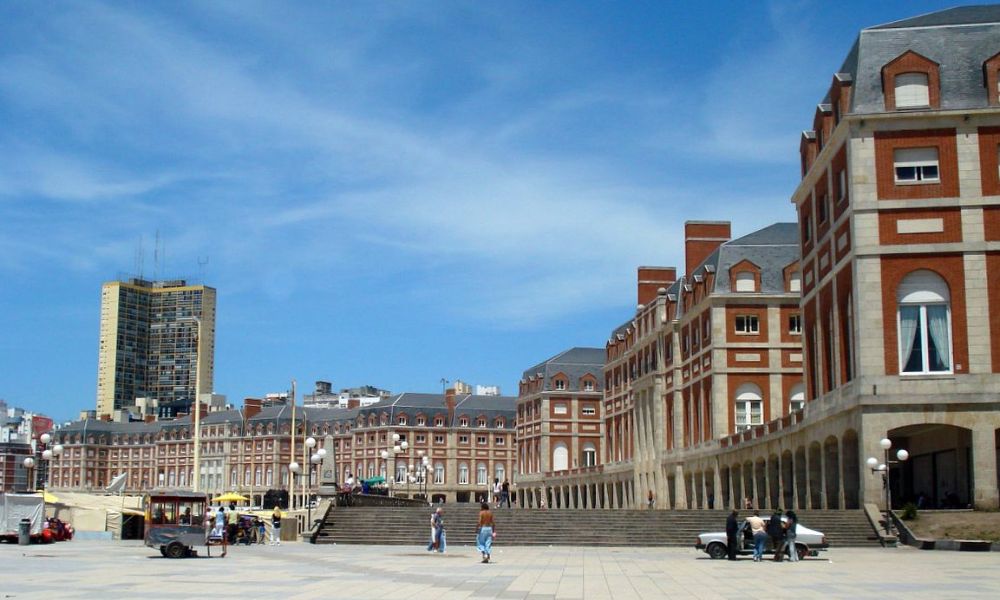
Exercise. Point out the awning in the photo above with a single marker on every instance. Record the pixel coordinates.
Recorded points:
(374, 480)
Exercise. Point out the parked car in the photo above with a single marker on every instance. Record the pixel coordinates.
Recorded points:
(808, 542)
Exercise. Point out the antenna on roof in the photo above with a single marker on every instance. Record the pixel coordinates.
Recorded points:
(156, 257)
(201, 268)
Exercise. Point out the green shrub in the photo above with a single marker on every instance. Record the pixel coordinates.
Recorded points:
(909, 512)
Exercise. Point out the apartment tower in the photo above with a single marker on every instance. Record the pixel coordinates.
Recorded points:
(157, 342)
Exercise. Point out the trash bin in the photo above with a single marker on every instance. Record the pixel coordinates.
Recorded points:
(24, 532)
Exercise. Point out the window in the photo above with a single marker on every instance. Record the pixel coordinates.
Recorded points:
(481, 422)
(588, 386)
(438, 473)
(807, 229)
(463, 422)
(463, 439)
(589, 455)
(795, 324)
(421, 438)
(912, 90)
(482, 475)
(924, 324)
(795, 282)
(481, 440)
(439, 422)
(749, 406)
(420, 421)
(559, 409)
(560, 457)
(438, 439)
(400, 473)
(798, 398)
(560, 384)
(821, 208)
(916, 165)
(589, 410)
(747, 324)
(499, 440)
(842, 181)
(745, 282)
(401, 420)
(500, 472)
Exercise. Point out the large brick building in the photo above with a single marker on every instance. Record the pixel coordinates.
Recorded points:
(773, 378)
(469, 441)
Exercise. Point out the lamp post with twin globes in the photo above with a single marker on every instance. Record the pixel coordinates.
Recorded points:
(876, 467)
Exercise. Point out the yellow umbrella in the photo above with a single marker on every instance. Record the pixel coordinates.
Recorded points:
(230, 497)
(49, 498)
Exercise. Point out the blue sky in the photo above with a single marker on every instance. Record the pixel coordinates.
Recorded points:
(386, 193)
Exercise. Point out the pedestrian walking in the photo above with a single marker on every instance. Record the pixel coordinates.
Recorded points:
(776, 531)
(233, 522)
(650, 499)
(732, 535)
(759, 535)
(276, 527)
(487, 532)
(791, 526)
(505, 492)
(497, 488)
(437, 531)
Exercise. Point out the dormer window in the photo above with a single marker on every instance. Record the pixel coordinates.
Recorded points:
(560, 384)
(912, 90)
(795, 282)
(463, 422)
(481, 422)
(745, 282)
(588, 386)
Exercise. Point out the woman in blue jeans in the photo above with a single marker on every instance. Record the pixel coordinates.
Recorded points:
(487, 530)
(759, 535)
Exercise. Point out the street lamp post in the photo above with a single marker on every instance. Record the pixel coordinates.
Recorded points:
(29, 464)
(309, 444)
(883, 468)
(315, 459)
(293, 469)
(48, 455)
(397, 448)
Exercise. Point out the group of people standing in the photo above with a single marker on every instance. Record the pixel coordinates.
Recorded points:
(486, 532)
(781, 532)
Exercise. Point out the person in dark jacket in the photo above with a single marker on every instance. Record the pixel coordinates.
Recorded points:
(732, 534)
(776, 531)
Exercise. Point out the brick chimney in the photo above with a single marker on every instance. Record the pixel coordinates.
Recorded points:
(701, 238)
(251, 406)
(652, 279)
(449, 401)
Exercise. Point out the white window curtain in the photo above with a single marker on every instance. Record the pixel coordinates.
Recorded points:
(795, 282)
(463, 473)
(438, 473)
(924, 318)
(798, 397)
(560, 457)
(912, 90)
(749, 406)
(481, 474)
(499, 472)
(400, 473)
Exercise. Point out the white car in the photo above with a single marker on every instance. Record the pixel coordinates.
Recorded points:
(808, 542)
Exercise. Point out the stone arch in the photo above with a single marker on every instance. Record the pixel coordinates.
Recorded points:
(831, 471)
(939, 467)
(815, 476)
(787, 480)
(851, 464)
(800, 477)
(748, 483)
(760, 483)
(773, 482)
(736, 494)
(725, 498)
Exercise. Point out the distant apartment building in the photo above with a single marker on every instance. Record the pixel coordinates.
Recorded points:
(20, 431)
(157, 341)
(325, 397)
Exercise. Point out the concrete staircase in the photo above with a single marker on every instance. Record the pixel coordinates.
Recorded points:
(532, 527)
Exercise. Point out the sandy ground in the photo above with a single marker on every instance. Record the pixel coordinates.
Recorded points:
(956, 525)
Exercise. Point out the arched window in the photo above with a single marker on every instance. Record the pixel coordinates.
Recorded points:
(589, 455)
(797, 399)
(560, 457)
(438, 473)
(749, 406)
(499, 471)
(924, 317)
(481, 474)
(745, 282)
(463, 474)
(912, 90)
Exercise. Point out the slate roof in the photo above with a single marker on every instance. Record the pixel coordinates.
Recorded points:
(433, 405)
(772, 249)
(88, 426)
(959, 39)
(574, 363)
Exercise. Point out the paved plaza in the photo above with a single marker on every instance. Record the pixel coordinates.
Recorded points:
(96, 570)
